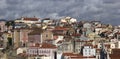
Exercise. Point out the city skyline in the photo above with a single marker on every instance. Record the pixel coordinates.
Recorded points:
(107, 11)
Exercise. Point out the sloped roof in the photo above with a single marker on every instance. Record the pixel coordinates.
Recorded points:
(44, 45)
(47, 45)
(115, 54)
(30, 19)
(60, 28)
(36, 31)
(76, 56)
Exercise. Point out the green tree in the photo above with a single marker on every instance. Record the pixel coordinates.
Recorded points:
(9, 41)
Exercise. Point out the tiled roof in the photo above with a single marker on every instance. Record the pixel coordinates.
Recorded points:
(88, 44)
(115, 54)
(44, 45)
(74, 56)
(107, 45)
(78, 57)
(60, 28)
(70, 54)
(36, 31)
(30, 19)
(116, 51)
(95, 46)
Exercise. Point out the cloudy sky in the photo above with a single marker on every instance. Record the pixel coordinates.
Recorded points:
(105, 10)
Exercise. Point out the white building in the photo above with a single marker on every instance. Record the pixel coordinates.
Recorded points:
(42, 51)
(112, 45)
(89, 51)
(87, 25)
(118, 44)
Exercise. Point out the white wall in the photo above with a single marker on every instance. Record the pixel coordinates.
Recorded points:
(89, 52)
(112, 45)
(118, 44)
(59, 38)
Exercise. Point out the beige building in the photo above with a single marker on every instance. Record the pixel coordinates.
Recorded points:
(16, 38)
(20, 37)
(2, 26)
(47, 35)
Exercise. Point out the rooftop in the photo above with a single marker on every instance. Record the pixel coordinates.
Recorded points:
(43, 45)
(30, 19)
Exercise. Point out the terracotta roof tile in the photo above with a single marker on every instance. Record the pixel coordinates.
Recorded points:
(88, 44)
(74, 56)
(116, 51)
(107, 45)
(60, 28)
(43, 45)
(36, 31)
(30, 19)
(46, 45)
(115, 54)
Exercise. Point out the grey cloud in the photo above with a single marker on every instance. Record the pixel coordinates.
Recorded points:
(104, 10)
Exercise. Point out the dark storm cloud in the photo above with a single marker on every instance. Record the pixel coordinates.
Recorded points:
(104, 10)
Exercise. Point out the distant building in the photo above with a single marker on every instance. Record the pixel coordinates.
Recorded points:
(27, 20)
(89, 51)
(47, 35)
(2, 26)
(42, 51)
(118, 44)
(87, 25)
(75, 56)
(20, 37)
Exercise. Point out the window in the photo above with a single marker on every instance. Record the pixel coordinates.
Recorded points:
(66, 47)
(46, 35)
(89, 50)
(85, 53)
(89, 53)
(37, 58)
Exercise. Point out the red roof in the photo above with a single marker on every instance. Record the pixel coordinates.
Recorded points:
(44, 45)
(88, 44)
(74, 56)
(60, 28)
(70, 54)
(30, 19)
(115, 54)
